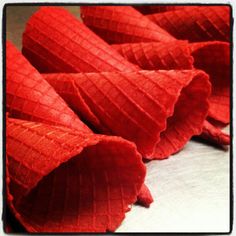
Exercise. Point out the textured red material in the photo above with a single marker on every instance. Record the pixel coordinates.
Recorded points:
(61, 180)
(214, 134)
(29, 96)
(158, 110)
(214, 58)
(156, 55)
(145, 196)
(201, 23)
(150, 9)
(55, 41)
(122, 24)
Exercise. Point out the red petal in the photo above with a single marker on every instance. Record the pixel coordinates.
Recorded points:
(196, 23)
(122, 24)
(30, 97)
(61, 180)
(136, 105)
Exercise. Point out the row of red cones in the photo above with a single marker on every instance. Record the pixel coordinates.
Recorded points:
(158, 110)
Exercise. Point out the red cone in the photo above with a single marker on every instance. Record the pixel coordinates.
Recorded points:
(196, 23)
(156, 55)
(122, 24)
(136, 105)
(69, 181)
(55, 41)
(30, 97)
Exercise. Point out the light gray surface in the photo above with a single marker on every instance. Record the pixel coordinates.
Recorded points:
(191, 192)
(191, 188)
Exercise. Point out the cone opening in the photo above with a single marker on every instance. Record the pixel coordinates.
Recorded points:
(214, 58)
(189, 114)
(90, 192)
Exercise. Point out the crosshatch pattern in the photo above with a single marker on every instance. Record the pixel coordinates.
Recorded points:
(122, 24)
(217, 53)
(196, 24)
(87, 185)
(30, 97)
(157, 56)
(54, 41)
(114, 96)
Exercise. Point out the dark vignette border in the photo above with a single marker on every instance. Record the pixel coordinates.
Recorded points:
(114, 4)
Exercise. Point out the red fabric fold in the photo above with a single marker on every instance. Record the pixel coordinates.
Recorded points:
(122, 24)
(196, 23)
(158, 110)
(56, 41)
(61, 180)
(29, 96)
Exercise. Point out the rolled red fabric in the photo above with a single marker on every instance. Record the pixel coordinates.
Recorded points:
(122, 24)
(196, 23)
(56, 41)
(150, 9)
(158, 110)
(214, 58)
(157, 55)
(29, 96)
(61, 180)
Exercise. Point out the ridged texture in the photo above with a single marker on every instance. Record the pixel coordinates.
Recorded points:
(60, 180)
(196, 23)
(214, 58)
(122, 24)
(214, 134)
(136, 105)
(55, 41)
(150, 9)
(156, 55)
(30, 97)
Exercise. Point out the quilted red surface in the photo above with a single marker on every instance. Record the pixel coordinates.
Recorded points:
(56, 41)
(122, 24)
(61, 180)
(140, 107)
(214, 58)
(61, 177)
(199, 23)
(150, 9)
(29, 96)
(157, 55)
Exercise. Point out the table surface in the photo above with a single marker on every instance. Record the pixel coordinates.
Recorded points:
(190, 189)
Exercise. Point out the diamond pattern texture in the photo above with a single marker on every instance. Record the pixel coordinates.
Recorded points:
(62, 180)
(151, 9)
(214, 58)
(196, 23)
(157, 56)
(150, 108)
(122, 24)
(56, 41)
(29, 96)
